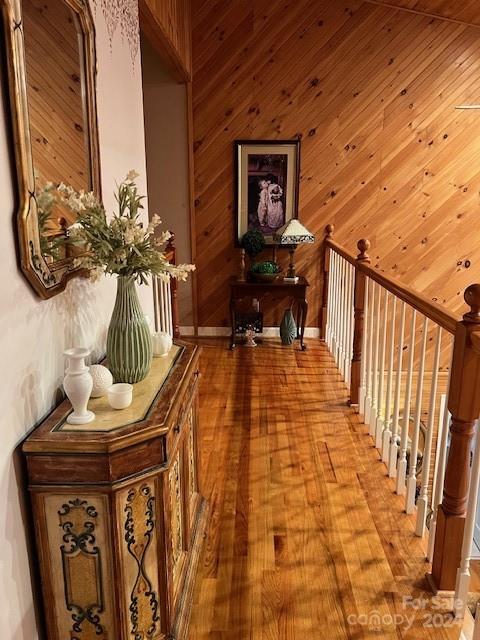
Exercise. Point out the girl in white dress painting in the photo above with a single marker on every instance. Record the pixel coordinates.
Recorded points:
(270, 206)
(262, 208)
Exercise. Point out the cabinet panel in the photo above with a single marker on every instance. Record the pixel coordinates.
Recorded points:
(191, 472)
(73, 530)
(136, 521)
(177, 524)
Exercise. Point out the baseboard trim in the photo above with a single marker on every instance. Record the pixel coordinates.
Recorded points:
(187, 331)
(268, 332)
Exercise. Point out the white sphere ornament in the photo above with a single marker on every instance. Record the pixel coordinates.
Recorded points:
(102, 380)
(162, 343)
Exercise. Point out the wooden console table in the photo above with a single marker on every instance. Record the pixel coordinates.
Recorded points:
(117, 508)
(246, 289)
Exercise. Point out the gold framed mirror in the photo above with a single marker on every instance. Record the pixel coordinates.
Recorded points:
(51, 60)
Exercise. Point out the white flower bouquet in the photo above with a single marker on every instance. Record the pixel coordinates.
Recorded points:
(120, 245)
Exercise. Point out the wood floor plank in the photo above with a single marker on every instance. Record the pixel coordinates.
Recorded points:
(306, 539)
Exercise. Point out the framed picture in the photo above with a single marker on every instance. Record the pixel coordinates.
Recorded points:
(267, 177)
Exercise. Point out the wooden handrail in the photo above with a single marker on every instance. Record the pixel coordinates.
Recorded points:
(435, 312)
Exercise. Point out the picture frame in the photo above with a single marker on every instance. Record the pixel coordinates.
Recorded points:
(266, 186)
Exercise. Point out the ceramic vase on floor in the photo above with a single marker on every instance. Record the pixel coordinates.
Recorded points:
(78, 384)
(129, 342)
(288, 328)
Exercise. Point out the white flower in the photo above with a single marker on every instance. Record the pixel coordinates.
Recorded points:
(129, 236)
(162, 238)
(132, 175)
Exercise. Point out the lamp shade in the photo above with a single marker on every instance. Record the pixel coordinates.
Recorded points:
(293, 233)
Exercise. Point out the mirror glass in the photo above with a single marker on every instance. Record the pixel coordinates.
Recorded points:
(56, 86)
(51, 71)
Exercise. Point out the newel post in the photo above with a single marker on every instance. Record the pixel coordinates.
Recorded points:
(359, 304)
(329, 229)
(464, 406)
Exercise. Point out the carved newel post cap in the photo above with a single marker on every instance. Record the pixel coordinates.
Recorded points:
(363, 246)
(472, 298)
(329, 229)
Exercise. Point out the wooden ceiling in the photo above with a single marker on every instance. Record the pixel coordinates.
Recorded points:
(463, 10)
(371, 91)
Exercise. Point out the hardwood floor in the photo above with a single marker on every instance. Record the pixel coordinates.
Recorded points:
(306, 539)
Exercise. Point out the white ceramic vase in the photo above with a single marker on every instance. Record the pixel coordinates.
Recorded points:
(78, 384)
(162, 343)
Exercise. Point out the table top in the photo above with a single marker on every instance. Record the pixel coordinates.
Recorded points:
(111, 430)
(280, 282)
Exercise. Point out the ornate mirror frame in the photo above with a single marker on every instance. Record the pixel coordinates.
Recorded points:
(47, 279)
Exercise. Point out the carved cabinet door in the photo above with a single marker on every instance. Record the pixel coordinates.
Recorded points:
(175, 525)
(192, 495)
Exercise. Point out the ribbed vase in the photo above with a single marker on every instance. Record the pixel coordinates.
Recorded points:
(288, 328)
(129, 342)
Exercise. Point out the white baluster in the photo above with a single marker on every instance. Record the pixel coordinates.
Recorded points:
(422, 502)
(392, 463)
(338, 310)
(412, 471)
(364, 361)
(380, 403)
(336, 307)
(338, 355)
(373, 410)
(328, 327)
(370, 341)
(463, 573)
(348, 360)
(402, 463)
(343, 342)
(387, 431)
(156, 305)
(170, 310)
(441, 459)
(331, 300)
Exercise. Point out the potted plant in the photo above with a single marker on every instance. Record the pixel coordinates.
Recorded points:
(253, 242)
(121, 246)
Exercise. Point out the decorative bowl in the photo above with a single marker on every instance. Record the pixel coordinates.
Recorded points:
(266, 271)
(265, 277)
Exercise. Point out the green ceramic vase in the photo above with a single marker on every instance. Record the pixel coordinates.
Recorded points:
(129, 342)
(288, 328)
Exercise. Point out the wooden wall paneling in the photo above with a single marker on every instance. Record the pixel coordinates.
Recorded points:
(467, 11)
(167, 24)
(371, 92)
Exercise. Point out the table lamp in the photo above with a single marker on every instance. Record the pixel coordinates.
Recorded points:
(292, 234)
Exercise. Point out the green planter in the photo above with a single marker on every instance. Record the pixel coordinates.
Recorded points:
(129, 342)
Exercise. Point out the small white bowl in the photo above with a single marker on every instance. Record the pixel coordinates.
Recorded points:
(120, 395)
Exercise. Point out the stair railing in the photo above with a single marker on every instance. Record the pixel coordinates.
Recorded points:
(165, 301)
(413, 373)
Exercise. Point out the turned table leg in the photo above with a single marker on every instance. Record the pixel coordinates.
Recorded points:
(232, 317)
(304, 307)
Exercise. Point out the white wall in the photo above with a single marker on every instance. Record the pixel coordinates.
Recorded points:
(166, 145)
(33, 334)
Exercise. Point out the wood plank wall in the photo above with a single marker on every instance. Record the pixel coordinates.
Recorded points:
(461, 10)
(167, 23)
(371, 92)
